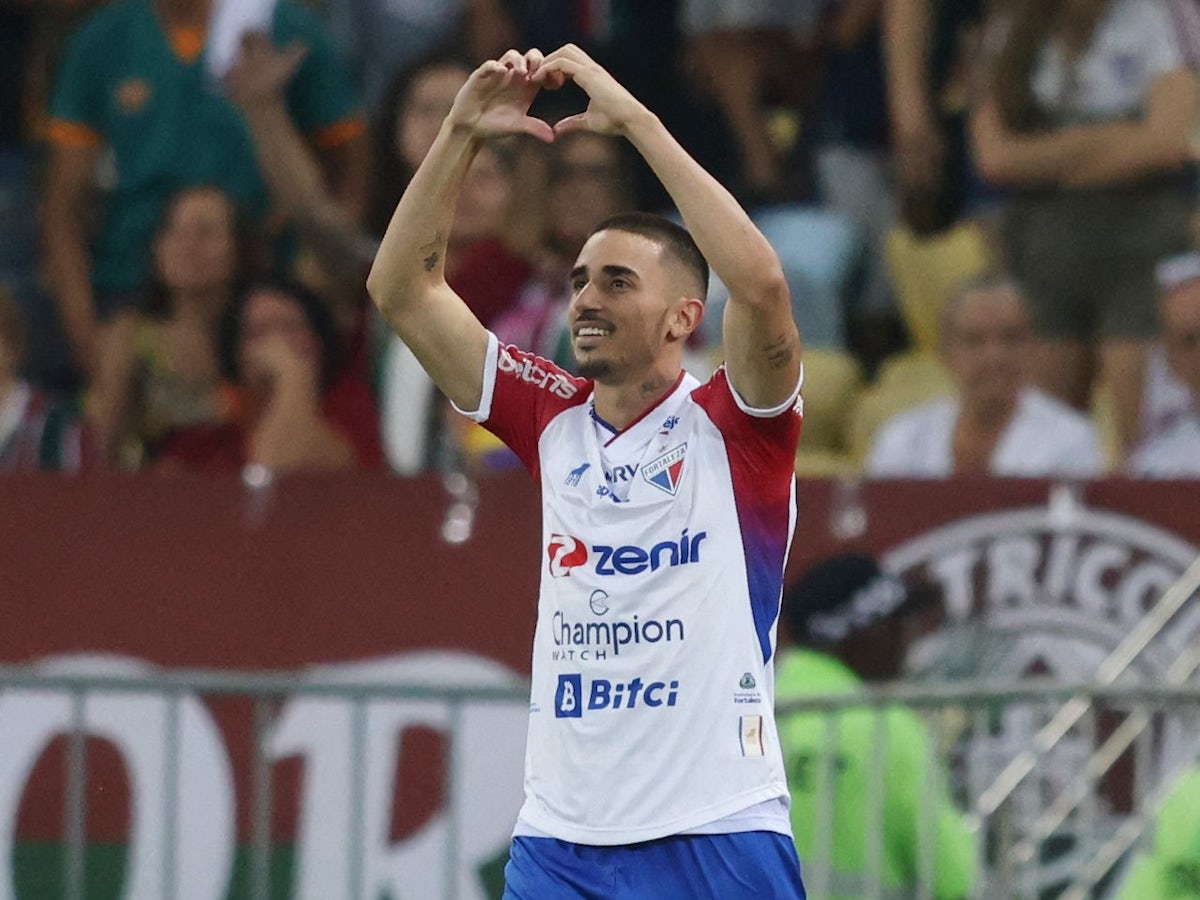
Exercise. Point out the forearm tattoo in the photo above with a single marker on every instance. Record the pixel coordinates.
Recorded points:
(779, 352)
(431, 253)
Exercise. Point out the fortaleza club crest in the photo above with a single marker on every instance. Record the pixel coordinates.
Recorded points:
(666, 471)
(1048, 591)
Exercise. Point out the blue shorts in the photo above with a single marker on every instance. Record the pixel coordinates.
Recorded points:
(748, 865)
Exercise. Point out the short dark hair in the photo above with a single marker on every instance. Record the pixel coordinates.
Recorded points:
(316, 311)
(673, 238)
(844, 594)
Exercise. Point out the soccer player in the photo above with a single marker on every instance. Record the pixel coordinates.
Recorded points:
(653, 767)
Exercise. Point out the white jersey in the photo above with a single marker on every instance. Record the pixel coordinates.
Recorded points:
(1044, 439)
(1175, 453)
(663, 554)
(1133, 44)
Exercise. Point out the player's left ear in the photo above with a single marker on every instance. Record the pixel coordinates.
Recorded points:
(689, 312)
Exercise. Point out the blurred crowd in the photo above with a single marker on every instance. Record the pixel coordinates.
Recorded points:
(985, 208)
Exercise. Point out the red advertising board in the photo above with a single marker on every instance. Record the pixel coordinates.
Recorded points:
(383, 578)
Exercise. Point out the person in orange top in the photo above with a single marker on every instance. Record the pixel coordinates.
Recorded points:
(135, 79)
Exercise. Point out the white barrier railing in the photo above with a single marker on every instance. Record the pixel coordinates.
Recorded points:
(970, 705)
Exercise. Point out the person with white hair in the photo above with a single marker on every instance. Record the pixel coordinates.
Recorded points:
(998, 424)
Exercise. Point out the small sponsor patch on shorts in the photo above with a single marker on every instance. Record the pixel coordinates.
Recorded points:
(752, 736)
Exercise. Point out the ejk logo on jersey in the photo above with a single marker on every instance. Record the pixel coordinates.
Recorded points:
(566, 552)
(602, 694)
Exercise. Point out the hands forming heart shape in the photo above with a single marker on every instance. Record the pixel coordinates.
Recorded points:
(496, 98)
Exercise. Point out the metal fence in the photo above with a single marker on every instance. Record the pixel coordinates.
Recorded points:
(1063, 830)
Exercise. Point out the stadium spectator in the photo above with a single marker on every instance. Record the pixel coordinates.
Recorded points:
(929, 46)
(31, 33)
(487, 269)
(159, 370)
(482, 264)
(1169, 869)
(588, 181)
(746, 56)
(494, 230)
(18, 229)
(848, 131)
(998, 424)
(133, 80)
(36, 431)
(1174, 451)
(488, 252)
(1165, 399)
(852, 623)
(381, 37)
(1086, 117)
(297, 410)
(644, 46)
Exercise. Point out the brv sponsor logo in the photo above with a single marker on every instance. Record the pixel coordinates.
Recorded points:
(620, 473)
(566, 552)
(570, 700)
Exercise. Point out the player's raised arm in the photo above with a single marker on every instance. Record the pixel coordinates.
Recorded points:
(762, 343)
(407, 280)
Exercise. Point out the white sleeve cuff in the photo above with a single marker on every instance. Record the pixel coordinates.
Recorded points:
(795, 400)
(489, 383)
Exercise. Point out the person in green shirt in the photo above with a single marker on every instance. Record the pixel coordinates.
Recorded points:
(851, 623)
(134, 87)
(1170, 868)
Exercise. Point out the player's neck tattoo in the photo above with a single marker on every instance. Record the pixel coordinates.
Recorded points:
(654, 387)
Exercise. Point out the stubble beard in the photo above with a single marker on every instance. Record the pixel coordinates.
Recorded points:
(595, 369)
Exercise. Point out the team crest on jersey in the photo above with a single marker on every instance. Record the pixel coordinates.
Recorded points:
(132, 95)
(666, 471)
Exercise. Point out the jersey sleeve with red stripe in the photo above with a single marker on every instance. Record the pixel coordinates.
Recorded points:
(759, 445)
(762, 457)
(528, 393)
